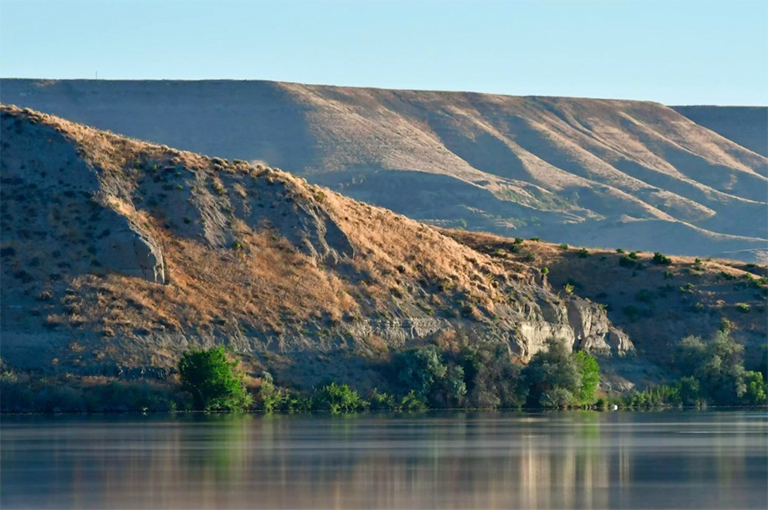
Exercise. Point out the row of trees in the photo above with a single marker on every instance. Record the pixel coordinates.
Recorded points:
(710, 372)
(476, 377)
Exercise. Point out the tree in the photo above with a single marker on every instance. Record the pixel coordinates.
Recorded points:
(559, 377)
(718, 367)
(214, 380)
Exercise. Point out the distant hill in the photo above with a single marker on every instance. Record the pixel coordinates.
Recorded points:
(745, 125)
(587, 172)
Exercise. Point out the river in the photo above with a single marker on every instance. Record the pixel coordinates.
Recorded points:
(670, 459)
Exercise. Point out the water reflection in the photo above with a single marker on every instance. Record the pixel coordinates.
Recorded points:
(480, 460)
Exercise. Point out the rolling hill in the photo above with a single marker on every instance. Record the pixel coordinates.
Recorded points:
(119, 255)
(603, 173)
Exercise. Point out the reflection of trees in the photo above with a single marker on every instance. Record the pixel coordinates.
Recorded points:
(486, 460)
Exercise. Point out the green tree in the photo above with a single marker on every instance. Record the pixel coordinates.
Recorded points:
(214, 380)
(590, 377)
(718, 366)
(553, 377)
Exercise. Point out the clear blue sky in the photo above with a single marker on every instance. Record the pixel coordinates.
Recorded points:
(675, 52)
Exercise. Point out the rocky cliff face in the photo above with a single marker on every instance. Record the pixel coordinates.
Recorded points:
(122, 254)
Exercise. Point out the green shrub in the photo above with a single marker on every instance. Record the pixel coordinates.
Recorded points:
(272, 399)
(337, 398)
(632, 255)
(743, 307)
(382, 401)
(214, 380)
(535, 239)
(432, 379)
(619, 250)
(626, 261)
(563, 246)
(661, 259)
(583, 253)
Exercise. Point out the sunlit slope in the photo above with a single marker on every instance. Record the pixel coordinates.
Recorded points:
(584, 171)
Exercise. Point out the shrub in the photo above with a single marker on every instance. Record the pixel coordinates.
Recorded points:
(644, 296)
(626, 261)
(529, 257)
(632, 312)
(632, 255)
(535, 239)
(213, 380)
(661, 259)
(583, 253)
(382, 401)
(563, 246)
(743, 307)
(569, 289)
(272, 399)
(337, 398)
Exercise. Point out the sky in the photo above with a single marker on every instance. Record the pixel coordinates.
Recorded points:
(671, 51)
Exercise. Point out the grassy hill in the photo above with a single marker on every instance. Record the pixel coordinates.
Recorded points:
(655, 299)
(582, 171)
(119, 255)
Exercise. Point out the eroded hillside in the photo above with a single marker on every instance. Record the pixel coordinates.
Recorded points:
(583, 171)
(656, 299)
(118, 255)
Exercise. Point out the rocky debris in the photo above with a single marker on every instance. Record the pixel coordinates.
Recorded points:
(131, 253)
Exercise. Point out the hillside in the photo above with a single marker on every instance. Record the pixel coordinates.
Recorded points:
(118, 255)
(745, 125)
(656, 301)
(583, 171)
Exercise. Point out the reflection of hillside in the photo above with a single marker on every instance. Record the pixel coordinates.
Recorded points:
(556, 460)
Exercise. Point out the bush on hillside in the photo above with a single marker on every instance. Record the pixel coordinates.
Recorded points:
(214, 380)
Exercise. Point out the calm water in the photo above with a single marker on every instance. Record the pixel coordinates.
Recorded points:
(482, 460)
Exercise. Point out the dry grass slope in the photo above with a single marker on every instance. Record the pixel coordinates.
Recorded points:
(582, 171)
(120, 254)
